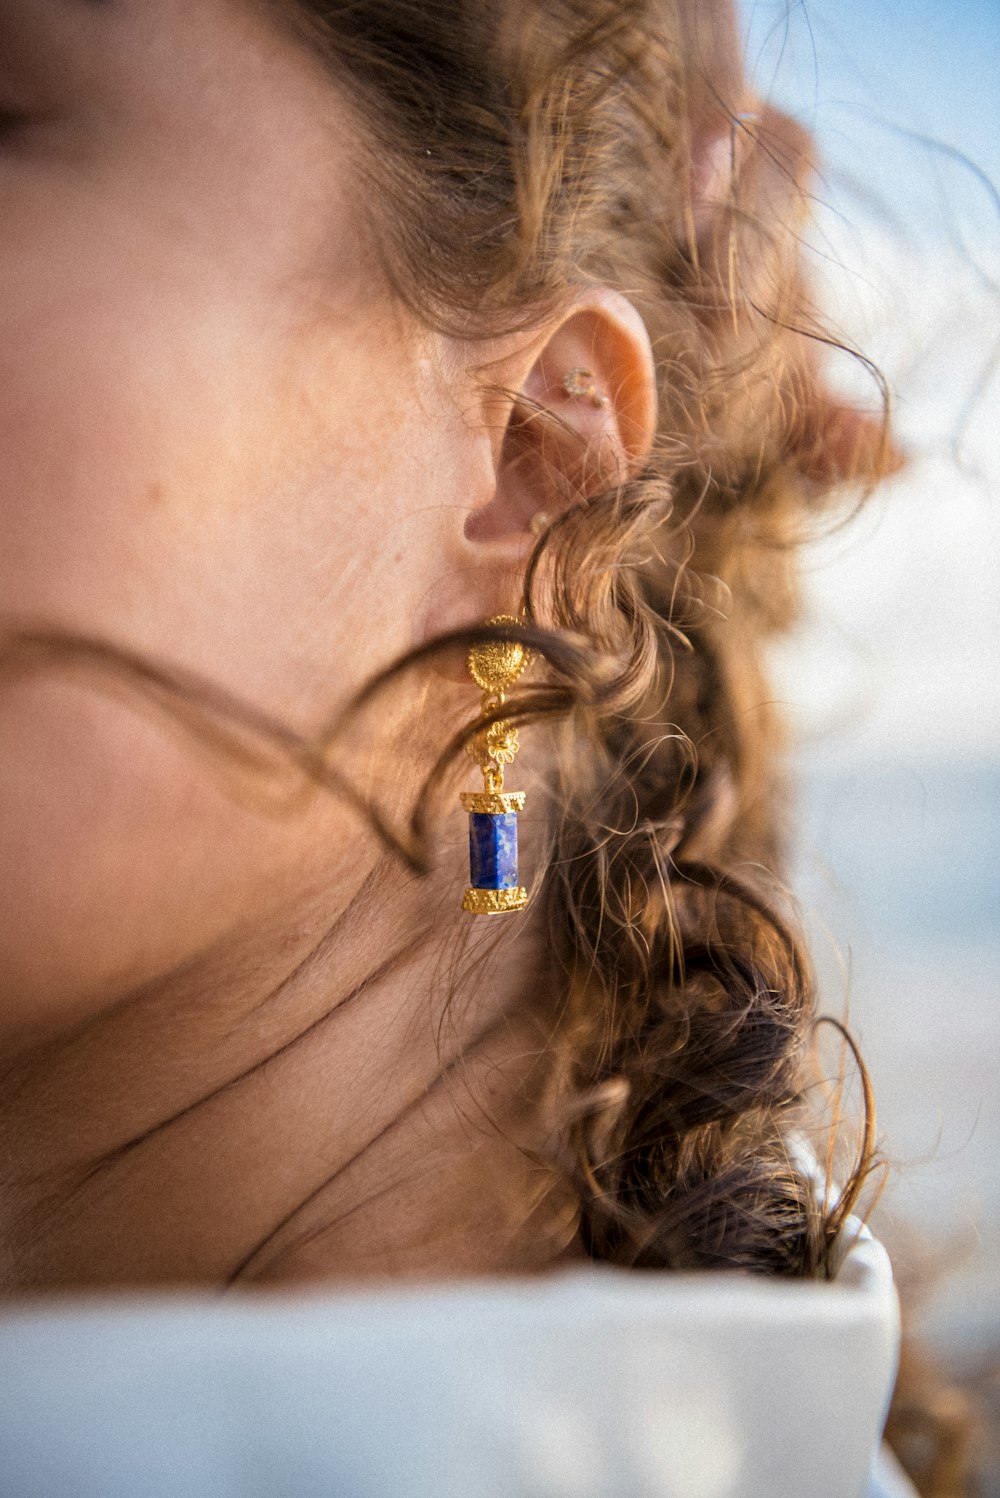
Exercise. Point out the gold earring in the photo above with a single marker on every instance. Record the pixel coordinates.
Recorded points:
(493, 876)
(581, 382)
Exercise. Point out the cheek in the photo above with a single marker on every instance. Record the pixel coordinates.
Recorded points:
(180, 479)
(198, 467)
(161, 524)
(127, 851)
(172, 478)
(121, 445)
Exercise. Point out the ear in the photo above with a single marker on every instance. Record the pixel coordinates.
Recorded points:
(556, 414)
(580, 418)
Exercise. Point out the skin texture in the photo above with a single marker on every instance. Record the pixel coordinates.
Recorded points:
(223, 445)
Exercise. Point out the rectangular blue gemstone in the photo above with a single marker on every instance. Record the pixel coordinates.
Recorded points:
(493, 849)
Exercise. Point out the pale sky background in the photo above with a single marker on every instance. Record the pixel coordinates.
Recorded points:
(894, 679)
(862, 73)
(900, 654)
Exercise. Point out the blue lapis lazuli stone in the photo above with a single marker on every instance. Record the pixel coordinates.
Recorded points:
(493, 849)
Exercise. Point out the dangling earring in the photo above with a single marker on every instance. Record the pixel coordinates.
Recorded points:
(493, 885)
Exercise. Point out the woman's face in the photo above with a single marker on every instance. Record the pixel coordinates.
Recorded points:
(222, 444)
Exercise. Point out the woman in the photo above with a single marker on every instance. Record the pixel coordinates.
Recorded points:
(330, 333)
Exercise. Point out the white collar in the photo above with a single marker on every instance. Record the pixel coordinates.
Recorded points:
(585, 1384)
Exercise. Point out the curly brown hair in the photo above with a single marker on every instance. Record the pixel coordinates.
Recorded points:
(527, 148)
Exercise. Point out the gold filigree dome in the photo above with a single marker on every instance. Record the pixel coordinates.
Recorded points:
(494, 664)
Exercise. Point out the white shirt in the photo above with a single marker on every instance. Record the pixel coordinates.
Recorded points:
(589, 1383)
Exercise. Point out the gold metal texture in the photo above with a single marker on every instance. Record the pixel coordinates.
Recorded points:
(494, 664)
(494, 901)
(497, 801)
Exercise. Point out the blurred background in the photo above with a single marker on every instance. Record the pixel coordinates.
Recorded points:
(892, 679)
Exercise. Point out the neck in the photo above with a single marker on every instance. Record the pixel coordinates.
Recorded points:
(320, 1103)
